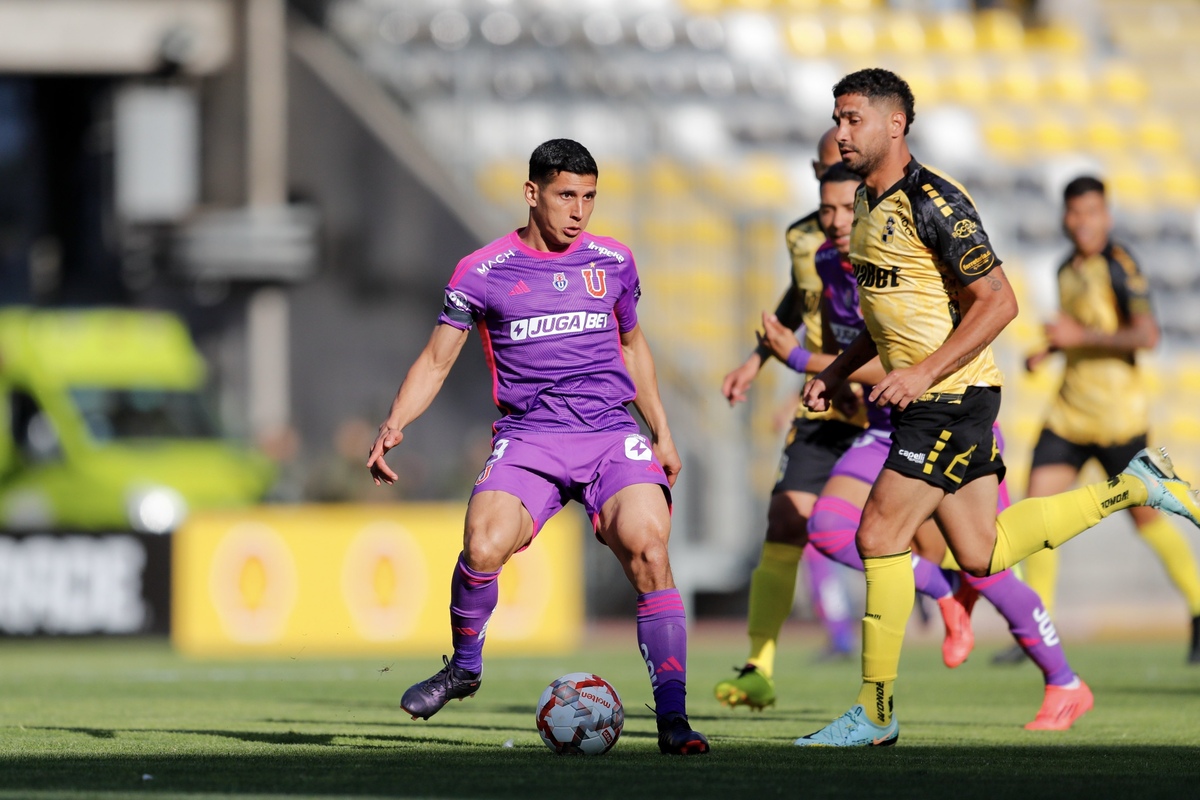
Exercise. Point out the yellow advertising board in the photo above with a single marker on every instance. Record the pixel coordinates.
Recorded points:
(359, 580)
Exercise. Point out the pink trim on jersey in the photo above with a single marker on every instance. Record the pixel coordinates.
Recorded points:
(485, 337)
(515, 240)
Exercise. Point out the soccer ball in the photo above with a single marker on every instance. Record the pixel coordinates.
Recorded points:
(580, 713)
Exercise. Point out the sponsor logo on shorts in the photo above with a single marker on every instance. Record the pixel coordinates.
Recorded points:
(556, 324)
(637, 448)
(916, 458)
(976, 260)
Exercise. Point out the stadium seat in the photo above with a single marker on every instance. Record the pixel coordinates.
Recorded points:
(1120, 82)
(852, 34)
(1000, 30)
(902, 32)
(805, 36)
(952, 33)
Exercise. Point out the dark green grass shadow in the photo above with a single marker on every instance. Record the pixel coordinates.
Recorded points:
(317, 765)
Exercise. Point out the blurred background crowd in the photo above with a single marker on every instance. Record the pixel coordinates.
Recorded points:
(296, 180)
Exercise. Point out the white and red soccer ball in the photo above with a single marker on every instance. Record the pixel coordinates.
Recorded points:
(580, 713)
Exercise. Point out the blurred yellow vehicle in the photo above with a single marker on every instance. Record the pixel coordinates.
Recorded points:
(103, 425)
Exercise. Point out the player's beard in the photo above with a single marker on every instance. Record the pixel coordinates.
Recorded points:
(864, 162)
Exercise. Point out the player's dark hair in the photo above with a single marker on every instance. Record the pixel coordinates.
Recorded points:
(839, 173)
(1084, 184)
(880, 84)
(560, 155)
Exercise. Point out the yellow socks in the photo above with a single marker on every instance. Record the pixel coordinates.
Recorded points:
(1036, 523)
(1175, 553)
(890, 592)
(1040, 573)
(772, 590)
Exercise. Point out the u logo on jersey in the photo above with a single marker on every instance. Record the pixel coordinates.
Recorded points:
(593, 280)
(560, 280)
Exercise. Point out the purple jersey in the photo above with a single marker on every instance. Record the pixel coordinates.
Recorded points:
(843, 315)
(550, 325)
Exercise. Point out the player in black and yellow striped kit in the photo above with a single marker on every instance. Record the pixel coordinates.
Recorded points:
(934, 296)
(1101, 410)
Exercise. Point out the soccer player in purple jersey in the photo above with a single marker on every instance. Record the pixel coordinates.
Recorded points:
(556, 309)
(838, 510)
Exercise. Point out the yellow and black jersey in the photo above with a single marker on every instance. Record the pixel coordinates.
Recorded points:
(913, 248)
(804, 237)
(1103, 400)
(801, 303)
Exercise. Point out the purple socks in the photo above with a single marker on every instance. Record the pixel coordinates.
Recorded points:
(473, 598)
(662, 638)
(1028, 621)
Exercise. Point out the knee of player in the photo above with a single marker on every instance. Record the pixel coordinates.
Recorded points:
(650, 556)
(483, 550)
(974, 564)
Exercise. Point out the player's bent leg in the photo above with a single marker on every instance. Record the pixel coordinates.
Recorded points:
(1039, 522)
(636, 524)
(497, 526)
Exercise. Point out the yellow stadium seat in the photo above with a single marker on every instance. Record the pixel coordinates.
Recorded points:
(801, 5)
(1018, 82)
(1180, 185)
(1004, 135)
(902, 32)
(1158, 133)
(1120, 82)
(805, 35)
(1000, 30)
(1069, 82)
(968, 83)
(1053, 134)
(499, 181)
(1103, 134)
(923, 81)
(952, 32)
(668, 179)
(855, 6)
(1062, 39)
(853, 33)
(1130, 187)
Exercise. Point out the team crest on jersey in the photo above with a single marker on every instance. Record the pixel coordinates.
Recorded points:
(560, 280)
(889, 229)
(593, 281)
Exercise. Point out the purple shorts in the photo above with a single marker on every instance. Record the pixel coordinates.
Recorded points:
(864, 460)
(545, 470)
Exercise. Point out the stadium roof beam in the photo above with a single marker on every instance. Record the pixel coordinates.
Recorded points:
(124, 37)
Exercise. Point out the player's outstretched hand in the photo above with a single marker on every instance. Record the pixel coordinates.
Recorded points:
(777, 336)
(386, 440)
(737, 383)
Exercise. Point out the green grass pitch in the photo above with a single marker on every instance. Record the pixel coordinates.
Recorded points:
(116, 719)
